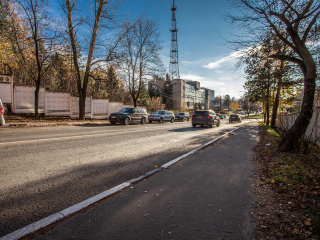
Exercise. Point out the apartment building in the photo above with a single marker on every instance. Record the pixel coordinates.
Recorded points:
(190, 94)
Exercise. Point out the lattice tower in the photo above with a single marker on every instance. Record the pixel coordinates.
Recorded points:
(174, 62)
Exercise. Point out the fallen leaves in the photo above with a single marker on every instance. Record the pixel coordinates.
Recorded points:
(307, 222)
(287, 191)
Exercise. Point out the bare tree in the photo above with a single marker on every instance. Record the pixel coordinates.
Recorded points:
(141, 55)
(84, 24)
(33, 39)
(294, 22)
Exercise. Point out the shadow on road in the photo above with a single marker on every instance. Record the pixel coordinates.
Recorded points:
(32, 201)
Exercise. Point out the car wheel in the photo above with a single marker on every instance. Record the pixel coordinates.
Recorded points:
(113, 123)
(127, 121)
(188, 119)
(172, 120)
(161, 120)
(150, 121)
(182, 119)
(212, 124)
(194, 125)
(218, 124)
(143, 120)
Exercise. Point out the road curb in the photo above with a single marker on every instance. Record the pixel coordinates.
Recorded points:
(33, 227)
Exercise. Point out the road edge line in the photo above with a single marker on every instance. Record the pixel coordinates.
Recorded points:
(22, 232)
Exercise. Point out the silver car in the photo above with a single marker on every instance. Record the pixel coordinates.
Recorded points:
(161, 116)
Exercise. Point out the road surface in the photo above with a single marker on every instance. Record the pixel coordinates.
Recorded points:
(44, 170)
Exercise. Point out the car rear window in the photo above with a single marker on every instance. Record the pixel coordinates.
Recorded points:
(126, 110)
(160, 112)
(201, 112)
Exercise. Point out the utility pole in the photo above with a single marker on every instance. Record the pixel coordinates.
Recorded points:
(174, 62)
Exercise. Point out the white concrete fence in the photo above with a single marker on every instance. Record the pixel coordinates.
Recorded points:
(286, 121)
(21, 100)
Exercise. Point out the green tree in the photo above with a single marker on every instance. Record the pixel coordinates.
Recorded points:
(294, 23)
(112, 84)
(226, 101)
(167, 93)
(144, 99)
(33, 39)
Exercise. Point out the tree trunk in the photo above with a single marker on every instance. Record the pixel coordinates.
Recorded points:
(268, 102)
(290, 139)
(276, 102)
(308, 67)
(82, 105)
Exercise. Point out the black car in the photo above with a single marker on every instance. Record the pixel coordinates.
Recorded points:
(181, 116)
(234, 118)
(205, 117)
(161, 116)
(129, 115)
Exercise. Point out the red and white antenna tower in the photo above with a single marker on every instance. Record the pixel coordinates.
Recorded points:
(174, 62)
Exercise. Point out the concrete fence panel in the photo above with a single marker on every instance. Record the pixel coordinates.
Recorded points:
(57, 104)
(24, 99)
(100, 108)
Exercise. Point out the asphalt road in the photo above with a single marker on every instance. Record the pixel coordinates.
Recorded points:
(44, 170)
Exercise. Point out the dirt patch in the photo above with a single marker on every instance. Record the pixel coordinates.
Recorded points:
(287, 191)
(22, 118)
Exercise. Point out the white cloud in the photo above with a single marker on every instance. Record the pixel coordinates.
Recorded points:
(234, 55)
(217, 63)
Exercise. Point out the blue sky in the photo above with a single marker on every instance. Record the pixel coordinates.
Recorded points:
(203, 55)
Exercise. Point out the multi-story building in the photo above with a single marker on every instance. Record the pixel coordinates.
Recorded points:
(189, 94)
(209, 95)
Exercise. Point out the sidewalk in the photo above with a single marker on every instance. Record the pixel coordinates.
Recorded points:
(207, 195)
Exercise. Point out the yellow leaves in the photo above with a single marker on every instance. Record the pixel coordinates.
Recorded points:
(307, 222)
(272, 181)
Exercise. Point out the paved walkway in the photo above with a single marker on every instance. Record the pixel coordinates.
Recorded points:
(207, 195)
